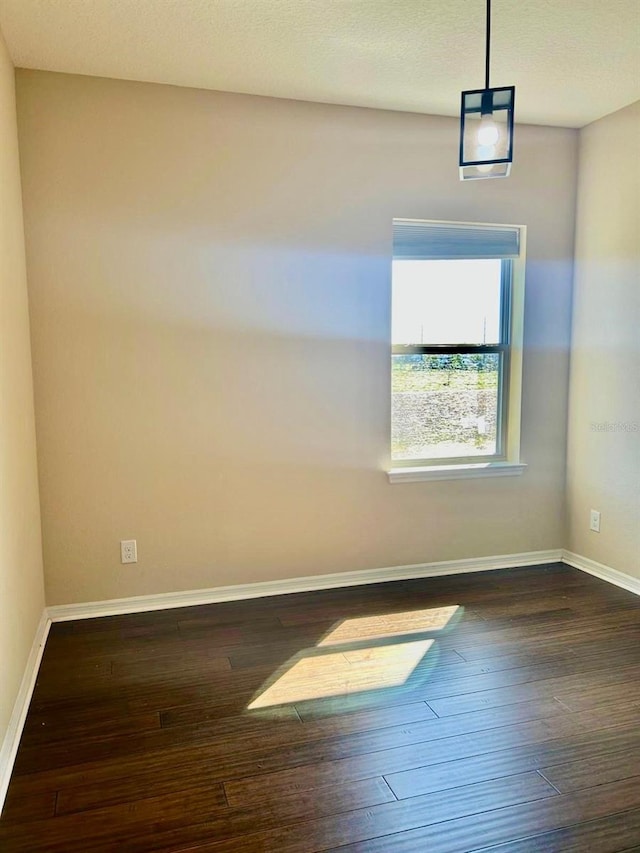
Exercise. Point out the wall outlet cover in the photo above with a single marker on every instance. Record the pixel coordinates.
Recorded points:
(128, 551)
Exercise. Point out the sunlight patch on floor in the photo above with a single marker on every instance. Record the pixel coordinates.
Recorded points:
(341, 674)
(390, 625)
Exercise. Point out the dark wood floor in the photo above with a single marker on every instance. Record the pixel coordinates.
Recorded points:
(503, 717)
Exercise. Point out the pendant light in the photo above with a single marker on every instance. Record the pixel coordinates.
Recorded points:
(486, 126)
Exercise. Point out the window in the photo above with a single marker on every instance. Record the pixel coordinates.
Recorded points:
(457, 300)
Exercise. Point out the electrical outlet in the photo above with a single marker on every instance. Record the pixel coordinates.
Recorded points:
(594, 521)
(128, 551)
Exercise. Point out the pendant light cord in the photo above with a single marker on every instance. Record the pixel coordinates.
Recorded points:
(488, 42)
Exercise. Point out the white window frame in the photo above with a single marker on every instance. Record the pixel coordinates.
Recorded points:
(508, 462)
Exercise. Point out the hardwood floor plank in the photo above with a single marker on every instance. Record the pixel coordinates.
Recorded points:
(608, 767)
(447, 684)
(586, 627)
(110, 781)
(235, 735)
(159, 691)
(18, 809)
(78, 711)
(118, 622)
(581, 699)
(452, 714)
(611, 834)
(479, 699)
(319, 728)
(424, 752)
(492, 827)
(519, 759)
(300, 761)
(148, 633)
(59, 673)
(80, 832)
(129, 670)
(320, 834)
(189, 715)
(625, 638)
(268, 813)
(46, 729)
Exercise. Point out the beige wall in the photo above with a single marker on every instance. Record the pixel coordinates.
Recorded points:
(604, 429)
(21, 586)
(209, 283)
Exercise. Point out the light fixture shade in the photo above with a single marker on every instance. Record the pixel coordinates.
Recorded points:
(486, 133)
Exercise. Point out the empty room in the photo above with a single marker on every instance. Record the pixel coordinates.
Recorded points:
(319, 426)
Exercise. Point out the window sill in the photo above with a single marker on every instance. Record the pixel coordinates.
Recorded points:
(456, 472)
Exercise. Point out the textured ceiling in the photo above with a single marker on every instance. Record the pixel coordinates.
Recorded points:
(572, 61)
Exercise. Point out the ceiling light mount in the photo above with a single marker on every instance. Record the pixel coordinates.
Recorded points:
(486, 125)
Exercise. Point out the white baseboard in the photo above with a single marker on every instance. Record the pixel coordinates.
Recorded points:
(605, 573)
(164, 601)
(21, 706)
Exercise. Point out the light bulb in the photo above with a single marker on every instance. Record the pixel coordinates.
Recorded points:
(485, 167)
(486, 152)
(488, 133)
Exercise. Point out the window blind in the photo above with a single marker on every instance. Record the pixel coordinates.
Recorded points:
(414, 240)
